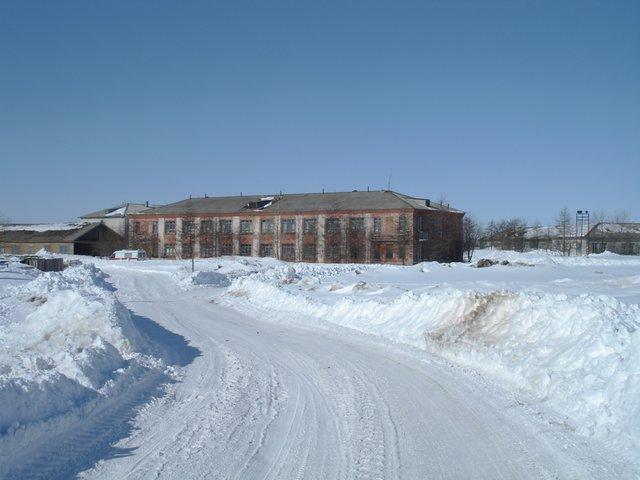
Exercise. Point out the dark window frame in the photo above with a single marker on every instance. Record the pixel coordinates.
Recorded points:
(244, 223)
(170, 227)
(356, 224)
(268, 223)
(306, 222)
(288, 246)
(226, 226)
(333, 225)
(291, 228)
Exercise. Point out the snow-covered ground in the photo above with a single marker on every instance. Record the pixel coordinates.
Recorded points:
(529, 369)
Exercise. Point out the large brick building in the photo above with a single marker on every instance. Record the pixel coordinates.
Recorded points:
(364, 227)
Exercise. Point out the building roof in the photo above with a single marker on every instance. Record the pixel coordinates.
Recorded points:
(121, 210)
(544, 232)
(615, 230)
(53, 232)
(300, 202)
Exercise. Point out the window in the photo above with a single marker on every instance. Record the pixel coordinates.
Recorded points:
(309, 225)
(170, 226)
(169, 250)
(188, 226)
(187, 251)
(154, 228)
(266, 250)
(15, 249)
(206, 226)
(225, 226)
(377, 225)
(266, 226)
(389, 252)
(288, 225)
(136, 227)
(206, 252)
(598, 247)
(402, 223)
(356, 224)
(401, 252)
(309, 252)
(246, 226)
(376, 252)
(226, 249)
(63, 249)
(287, 250)
(332, 225)
(355, 252)
(332, 251)
(245, 249)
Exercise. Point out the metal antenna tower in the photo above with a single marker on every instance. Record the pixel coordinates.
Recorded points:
(582, 228)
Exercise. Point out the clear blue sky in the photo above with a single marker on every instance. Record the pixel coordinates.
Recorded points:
(510, 108)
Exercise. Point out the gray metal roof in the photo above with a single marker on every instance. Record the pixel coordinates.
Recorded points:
(298, 202)
(39, 233)
(119, 211)
(616, 231)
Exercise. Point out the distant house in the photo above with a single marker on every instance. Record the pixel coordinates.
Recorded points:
(333, 227)
(541, 238)
(85, 238)
(621, 238)
(116, 218)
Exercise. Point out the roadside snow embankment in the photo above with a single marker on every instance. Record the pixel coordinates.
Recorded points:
(64, 340)
(578, 354)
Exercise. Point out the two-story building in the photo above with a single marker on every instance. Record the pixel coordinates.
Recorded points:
(364, 227)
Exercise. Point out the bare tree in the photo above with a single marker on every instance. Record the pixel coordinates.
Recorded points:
(564, 224)
(471, 235)
(188, 235)
(4, 219)
(599, 216)
(145, 237)
(620, 216)
(507, 234)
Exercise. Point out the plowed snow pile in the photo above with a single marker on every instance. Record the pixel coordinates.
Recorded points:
(578, 354)
(64, 341)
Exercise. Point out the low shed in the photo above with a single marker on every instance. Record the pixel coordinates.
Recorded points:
(94, 239)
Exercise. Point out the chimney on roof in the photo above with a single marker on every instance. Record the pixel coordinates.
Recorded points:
(367, 188)
(146, 204)
(427, 202)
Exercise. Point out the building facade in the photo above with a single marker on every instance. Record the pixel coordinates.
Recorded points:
(620, 238)
(338, 227)
(116, 218)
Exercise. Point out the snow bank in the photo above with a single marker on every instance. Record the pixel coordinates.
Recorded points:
(221, 271)
(63, 336)
(580, 355)
(547, 257)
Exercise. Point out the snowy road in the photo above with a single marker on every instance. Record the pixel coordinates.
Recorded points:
(269, 400)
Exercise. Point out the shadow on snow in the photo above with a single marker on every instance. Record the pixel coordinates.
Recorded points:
(74, 442)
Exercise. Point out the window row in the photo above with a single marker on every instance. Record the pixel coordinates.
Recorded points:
(333, 251)
(287, 225)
